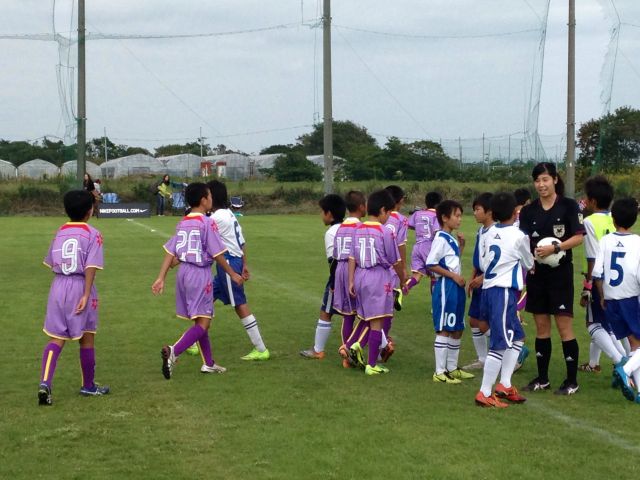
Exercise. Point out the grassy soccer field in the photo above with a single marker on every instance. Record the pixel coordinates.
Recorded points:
(285, 418)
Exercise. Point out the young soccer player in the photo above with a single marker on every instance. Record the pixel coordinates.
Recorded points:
(448, 293)
(505, 252)
(523, 198)
(425, 223)
(599, 193)
(332, 209)
(479, 326)
(617, 274)
(74, 256)
(236, 255)
(398, 224)
(343, 303)
(370, 279)
(195, 246)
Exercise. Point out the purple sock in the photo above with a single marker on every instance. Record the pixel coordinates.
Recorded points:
(411, 283)
(88, 366)
(49, 360)
(386, 326)
(205, 349)
(375, 339)
(355, 334)
(347, 327)
(187, 339)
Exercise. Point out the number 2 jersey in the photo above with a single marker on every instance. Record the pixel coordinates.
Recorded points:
(618, 265)
(504, 251)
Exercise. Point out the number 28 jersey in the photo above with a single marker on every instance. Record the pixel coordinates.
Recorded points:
(196, 241)
(76, 247)
(618, 265)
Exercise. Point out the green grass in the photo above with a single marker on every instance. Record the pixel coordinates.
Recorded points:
(286, 418)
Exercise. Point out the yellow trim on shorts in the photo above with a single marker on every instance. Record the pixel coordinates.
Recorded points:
(57, 337)
(353, 312)
(375, 318)
(418, 272)
(194, 317)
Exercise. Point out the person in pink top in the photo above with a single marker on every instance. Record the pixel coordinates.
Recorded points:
(425, 224)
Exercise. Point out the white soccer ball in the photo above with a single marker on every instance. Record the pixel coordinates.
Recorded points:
(552, 260)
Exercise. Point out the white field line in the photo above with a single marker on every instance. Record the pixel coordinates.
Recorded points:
(295, 292)
(578, 424)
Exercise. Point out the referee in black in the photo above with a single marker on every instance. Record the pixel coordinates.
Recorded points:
(550, 289)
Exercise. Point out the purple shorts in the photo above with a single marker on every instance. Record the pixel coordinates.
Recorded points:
(374, 293)
(61, 321)
(343, 303)
(194, 292)
(419, 256)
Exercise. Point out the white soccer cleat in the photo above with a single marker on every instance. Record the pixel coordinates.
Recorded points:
(215, 368)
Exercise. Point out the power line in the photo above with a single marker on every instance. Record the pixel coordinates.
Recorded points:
(435, 37)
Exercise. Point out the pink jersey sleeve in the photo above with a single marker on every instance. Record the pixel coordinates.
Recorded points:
(95, 255)
(390, 247)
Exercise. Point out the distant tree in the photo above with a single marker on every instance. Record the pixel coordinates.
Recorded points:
(177, 149)
(280, 149)
(613, 139)
(135, 150)
(346, 135)
(294, 167)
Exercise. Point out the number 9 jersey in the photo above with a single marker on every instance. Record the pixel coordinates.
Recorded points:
(76, 247)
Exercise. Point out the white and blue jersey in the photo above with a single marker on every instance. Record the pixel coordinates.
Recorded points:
(505, 252)
(618, 267)
(224, 289)
(476, 293)
(448, 297)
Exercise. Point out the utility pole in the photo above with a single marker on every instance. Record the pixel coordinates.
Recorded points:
(509, 154)
(571, 104)
(460, 151)
(82, 111)
(328, 110)
(106, 156)
(201, 139)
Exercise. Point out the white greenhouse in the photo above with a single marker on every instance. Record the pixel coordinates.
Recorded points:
(259, 162)
(38, 168)
(233, 166)
(70, 168)
(138, 164)
(7, 170)
(184, 165)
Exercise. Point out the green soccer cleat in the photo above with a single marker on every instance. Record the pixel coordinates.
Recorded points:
(461, 374)
(356, 354)
(397, 299)
(445, 378)
(255, 355)
(375, 370)
(193, 349)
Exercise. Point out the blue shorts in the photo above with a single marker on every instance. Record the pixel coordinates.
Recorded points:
(595, 313)
(624, 317)
(225, 289)
(327, 300)
(448, 306)
(476, 301)
(500, 308)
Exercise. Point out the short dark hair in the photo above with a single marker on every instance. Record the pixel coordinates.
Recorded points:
(624, 212)
(446, 209)
(483, 200)
(378, 200)
(550, 169)
(503, 204)
(354, 200)
(195, 192)
(218, 194)
(77, 204)
(432, 199)
(397, 193)
(523, 195)
(335, 204)
(599, 189)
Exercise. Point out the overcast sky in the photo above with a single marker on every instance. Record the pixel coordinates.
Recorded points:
(256, 89)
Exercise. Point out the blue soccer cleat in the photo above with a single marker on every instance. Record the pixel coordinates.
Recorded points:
(524, 353)
(622, 380)
(95, 391)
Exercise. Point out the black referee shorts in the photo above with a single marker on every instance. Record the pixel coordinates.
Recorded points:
(550, 290)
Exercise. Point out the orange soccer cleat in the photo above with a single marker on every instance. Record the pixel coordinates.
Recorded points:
(511, 394)
(489, 402)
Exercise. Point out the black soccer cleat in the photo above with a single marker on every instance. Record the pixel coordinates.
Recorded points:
(536, 385)
(567, 388)
(44, 395)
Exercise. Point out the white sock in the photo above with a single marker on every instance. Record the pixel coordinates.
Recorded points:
(594, 353)
(250, 324)
(627, 346)
(509, 360)
(603, 340)
(384, 341)
(636, 380)
(323, 330)
(633, 363)
(440, 347)
(492, 366)
(453, 352)
(479, 343)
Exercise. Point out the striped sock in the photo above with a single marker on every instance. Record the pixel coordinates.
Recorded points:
(250, 324)
(492, 366)
(480, 343)
(509, 360)
(453, 352)
(49, 361)
(440, 347)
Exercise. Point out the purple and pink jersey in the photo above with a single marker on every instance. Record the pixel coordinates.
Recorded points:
(375, 251)
(76, 247)
(342, 248)
(195, 244)
(425, 223)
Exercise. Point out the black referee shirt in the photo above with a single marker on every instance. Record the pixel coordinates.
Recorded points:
(562, 221)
